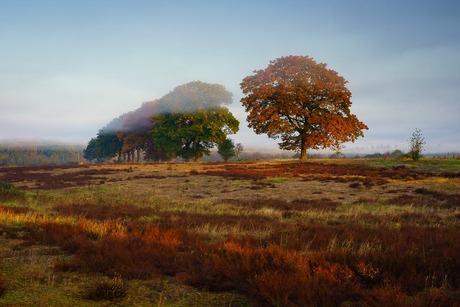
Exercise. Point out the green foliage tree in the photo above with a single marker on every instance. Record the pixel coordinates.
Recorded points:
(193, 120)
(416, 144)
(191, 135)
(109, 146)
(106, 145)
(302, 102)
(226, 149)
(90, 152)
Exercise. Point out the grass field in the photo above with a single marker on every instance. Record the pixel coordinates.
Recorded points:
(281, 233)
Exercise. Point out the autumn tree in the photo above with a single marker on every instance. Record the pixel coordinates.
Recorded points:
(302, 102)
(226, 149)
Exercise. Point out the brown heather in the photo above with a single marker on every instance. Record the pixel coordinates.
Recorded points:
(326, 234)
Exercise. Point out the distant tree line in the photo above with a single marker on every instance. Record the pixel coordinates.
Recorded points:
(39, 154)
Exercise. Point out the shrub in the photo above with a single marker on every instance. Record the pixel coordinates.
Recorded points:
(226, 149)
(416, 144)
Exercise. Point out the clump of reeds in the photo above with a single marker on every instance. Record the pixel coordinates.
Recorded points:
(107, 290)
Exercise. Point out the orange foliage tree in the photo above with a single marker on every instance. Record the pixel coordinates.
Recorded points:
(302, 102)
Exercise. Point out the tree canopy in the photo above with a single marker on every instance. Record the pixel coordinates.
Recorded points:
(195, 95)
(302, 102)
(194, 120)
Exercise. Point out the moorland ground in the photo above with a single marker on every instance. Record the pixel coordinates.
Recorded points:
(286, 233)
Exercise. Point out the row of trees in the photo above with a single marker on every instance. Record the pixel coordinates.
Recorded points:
(185, 123)
(294, 99)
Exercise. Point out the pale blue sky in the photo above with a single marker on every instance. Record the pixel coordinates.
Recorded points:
(68, 67)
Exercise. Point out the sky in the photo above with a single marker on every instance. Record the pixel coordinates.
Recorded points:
(67, 68)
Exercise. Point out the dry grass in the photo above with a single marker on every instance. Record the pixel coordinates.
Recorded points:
(265, 233)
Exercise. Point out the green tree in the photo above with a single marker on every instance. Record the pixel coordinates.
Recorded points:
(90, 152)
(193, 120)
(416, 144)
(302, 102)
(226, 149)
(191, 135)
(106, 145)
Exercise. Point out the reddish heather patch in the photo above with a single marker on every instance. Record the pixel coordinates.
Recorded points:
(368, 175)
(273, 275)
(426, 198)
(45, 177)
(275, 270)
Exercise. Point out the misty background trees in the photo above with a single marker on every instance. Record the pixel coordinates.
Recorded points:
(186, 123)
(39, 153)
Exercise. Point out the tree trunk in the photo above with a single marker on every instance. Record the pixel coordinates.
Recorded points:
(303, 151)
(138, 154)
(303, 154)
